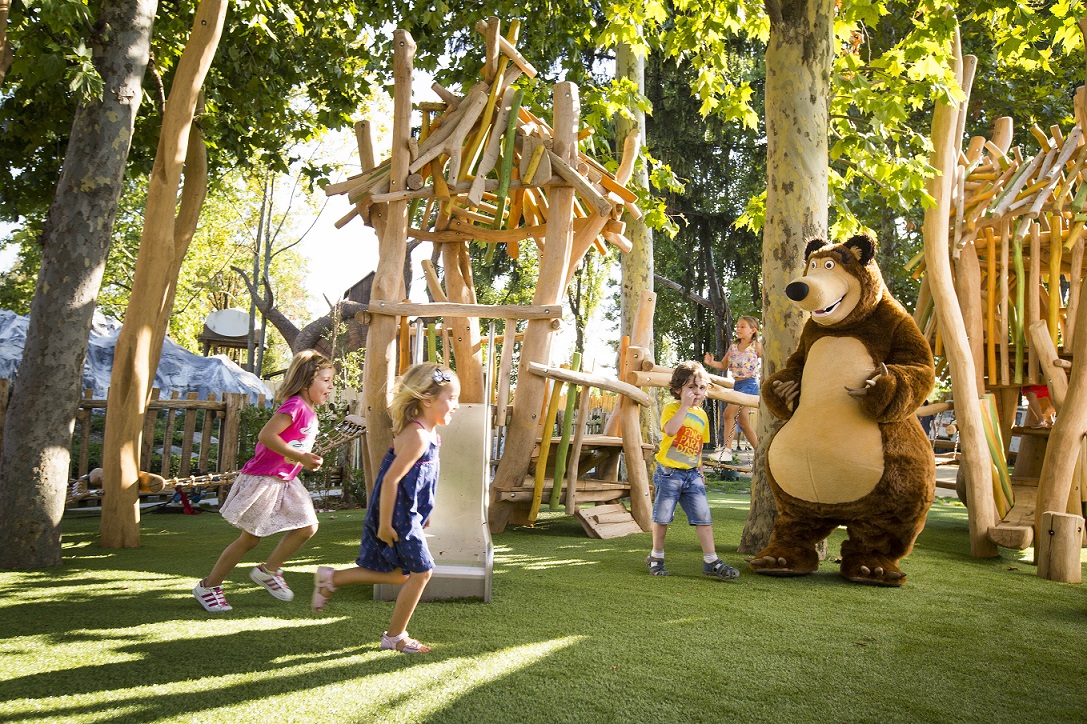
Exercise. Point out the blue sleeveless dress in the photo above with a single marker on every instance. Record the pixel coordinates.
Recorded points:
(414, 503)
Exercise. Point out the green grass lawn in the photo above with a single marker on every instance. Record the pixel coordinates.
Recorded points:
(577, 632)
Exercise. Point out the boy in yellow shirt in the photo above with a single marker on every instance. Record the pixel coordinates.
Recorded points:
(678, 478)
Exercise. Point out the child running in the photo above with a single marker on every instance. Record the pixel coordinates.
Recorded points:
(678, 477)
(267, 496)
(742, 360)
(394, 548)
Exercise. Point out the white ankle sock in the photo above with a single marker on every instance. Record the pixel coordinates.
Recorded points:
(657, 554)
(710, 557)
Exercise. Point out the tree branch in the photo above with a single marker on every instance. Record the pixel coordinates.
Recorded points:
(685, 292)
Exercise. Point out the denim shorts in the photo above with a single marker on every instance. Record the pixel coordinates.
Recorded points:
(682, 486)
(748, 385)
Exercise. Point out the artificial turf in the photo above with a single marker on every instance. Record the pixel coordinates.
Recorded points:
(577, 632)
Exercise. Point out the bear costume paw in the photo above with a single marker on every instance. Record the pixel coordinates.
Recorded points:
(872, 569)
(782, 561)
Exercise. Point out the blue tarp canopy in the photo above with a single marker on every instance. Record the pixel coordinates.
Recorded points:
(179, 369)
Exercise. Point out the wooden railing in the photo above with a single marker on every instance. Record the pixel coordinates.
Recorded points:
(209, 433)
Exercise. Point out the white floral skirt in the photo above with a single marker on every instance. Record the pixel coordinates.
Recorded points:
(262, 505)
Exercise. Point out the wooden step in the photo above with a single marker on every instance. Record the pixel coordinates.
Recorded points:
(607, 521)
(1016, 530)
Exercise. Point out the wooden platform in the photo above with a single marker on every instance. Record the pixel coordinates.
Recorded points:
(588, 491)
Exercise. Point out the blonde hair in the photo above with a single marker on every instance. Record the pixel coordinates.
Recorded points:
(423, 381)
(304, 369)
(683, 373)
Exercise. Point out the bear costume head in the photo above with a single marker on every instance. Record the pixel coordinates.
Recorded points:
(851, 451)
(841, 284)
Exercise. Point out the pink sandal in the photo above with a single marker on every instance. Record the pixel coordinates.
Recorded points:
(322, 580)
(410, 645)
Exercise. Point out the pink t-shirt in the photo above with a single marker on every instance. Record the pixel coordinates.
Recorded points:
(300, 435)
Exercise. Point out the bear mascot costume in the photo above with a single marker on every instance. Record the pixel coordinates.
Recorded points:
(851, 452)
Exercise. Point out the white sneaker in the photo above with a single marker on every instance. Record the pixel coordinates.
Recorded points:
(272, 582)
(726, 455)
(212, 599)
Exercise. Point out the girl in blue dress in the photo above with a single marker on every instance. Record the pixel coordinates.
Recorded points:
(394, 548)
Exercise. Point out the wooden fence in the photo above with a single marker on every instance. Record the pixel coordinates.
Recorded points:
(207, 433)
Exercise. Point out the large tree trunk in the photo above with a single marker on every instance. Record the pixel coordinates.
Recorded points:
(163, 244)
(75, 241)
(799, 56)
(637, 264)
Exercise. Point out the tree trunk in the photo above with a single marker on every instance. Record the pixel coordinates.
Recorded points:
(6, 56)
(75, 241)
(163, 244)
(799, 55)
(637, 264)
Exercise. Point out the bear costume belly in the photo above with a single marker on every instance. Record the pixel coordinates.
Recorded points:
(830, 451)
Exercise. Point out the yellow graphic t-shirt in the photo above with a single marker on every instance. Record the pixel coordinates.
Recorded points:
(684, 450)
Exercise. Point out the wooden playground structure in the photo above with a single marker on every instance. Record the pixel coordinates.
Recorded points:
(486, 169)
(1014, 226)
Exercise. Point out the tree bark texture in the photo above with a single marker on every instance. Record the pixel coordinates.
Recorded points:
(799, 55)
(75, 242)
(636, 265)
(167, 232)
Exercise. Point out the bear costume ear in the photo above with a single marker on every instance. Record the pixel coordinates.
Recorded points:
(813, 246)
(863, 247)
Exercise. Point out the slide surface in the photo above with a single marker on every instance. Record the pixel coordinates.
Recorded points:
(458, 536)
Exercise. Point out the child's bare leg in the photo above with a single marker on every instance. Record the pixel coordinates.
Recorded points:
(730, 425)
(659, 531)
(288, 546)
(230, 558)
(705, 539)
(356, 576)
(748, 428)
(406, 601)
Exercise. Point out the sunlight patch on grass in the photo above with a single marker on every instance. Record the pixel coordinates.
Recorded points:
(536, 563)
(22, 656)
(433, 686)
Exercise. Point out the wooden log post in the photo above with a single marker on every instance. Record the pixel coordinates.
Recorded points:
(564, 441)
(1063, 450)
(575, 454)
(167, 230)
(975, 452)
(968, 289)
(641, 504)
(536, 347)
(389, 277)
(1057, 549)
(466, 337)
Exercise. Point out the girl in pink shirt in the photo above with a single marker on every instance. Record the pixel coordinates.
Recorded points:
(267, 496)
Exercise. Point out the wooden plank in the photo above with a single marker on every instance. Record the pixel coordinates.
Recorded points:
(229, 438)
(148, 434)
(590, 380)
(83, 417)
(189, 427)
(618, 530)
(612, 517)
(205, 436)
(450, 309)
(168, 437)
